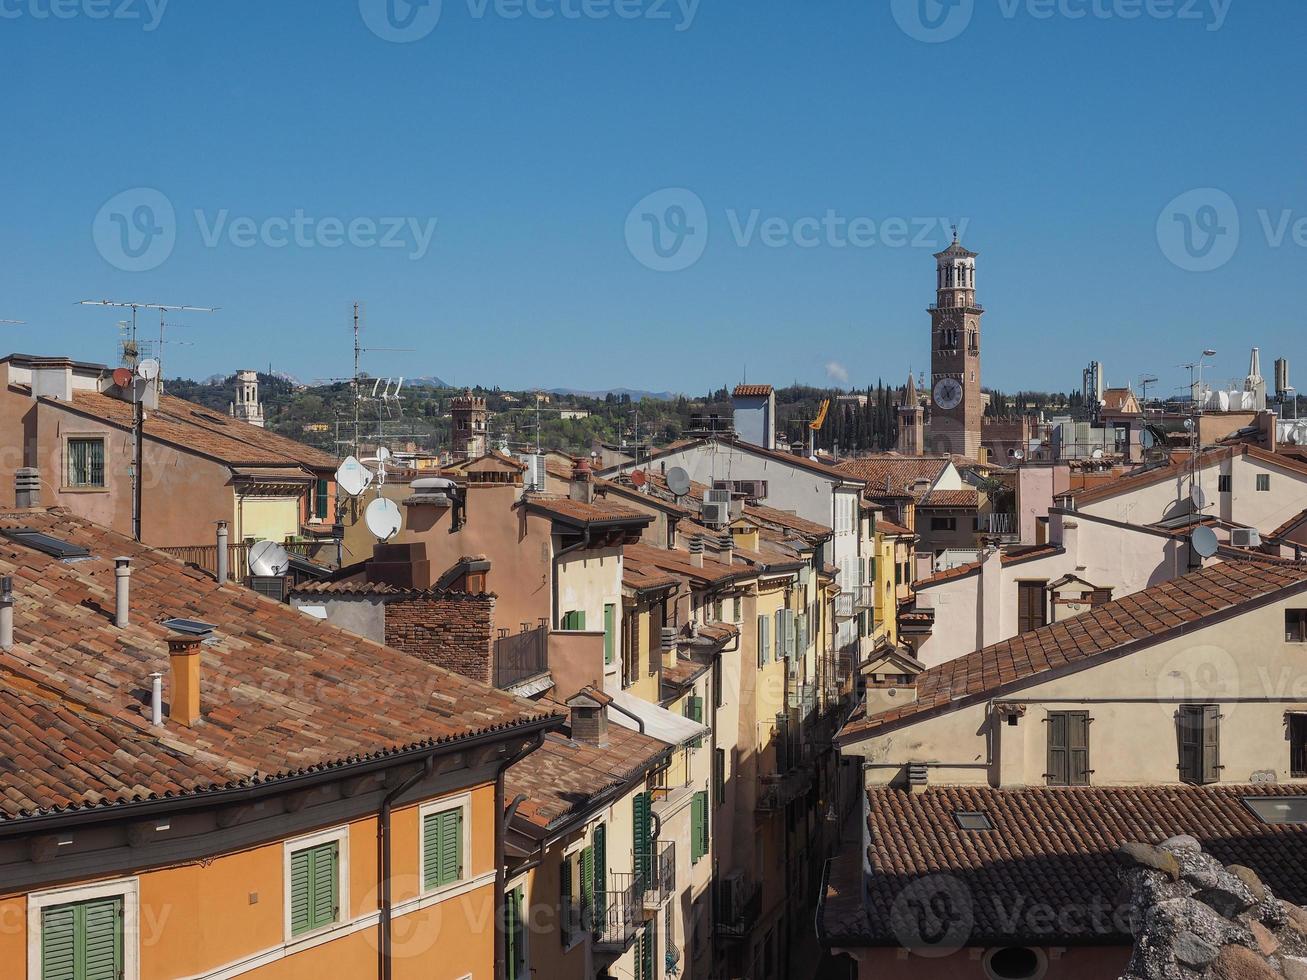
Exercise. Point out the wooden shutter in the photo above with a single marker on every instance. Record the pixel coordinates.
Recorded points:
(325, 879)
(442, 845)
(1192, 739)
(301, 919)
(1030, 606)
(699, 827)
(314, 888)
(610, 631)
(512, 935)
(320, 501)
(599, 839)
(1059, 766)
(587, 885)
(565, 901)
(640, 841)
(1297, 746)
(59, 943)
(762, 641)
(83, 941)
(780, 634)
(1211, 770)
(1077, 731)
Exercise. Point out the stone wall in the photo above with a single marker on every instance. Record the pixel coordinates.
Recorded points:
(453, 631)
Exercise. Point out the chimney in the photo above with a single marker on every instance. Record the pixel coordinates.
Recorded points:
(27, 487)
(122, 574)
(1070, 540)
(589, 717)
(184, 653)
(1266, 434)
(7, 613)
(696, 551)
(223, 553)
(52, 377)
(156, 699)
(728, 548)
(582, 487)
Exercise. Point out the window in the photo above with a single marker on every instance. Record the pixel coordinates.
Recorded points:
(577, 879)
(1297, 725)
(699, 827)
(515, 954)
(574, 621)
(1278, 809)
(1200, 743)
(973, 820)
(320, 500)
(599, 844)
(1263, 481)
(314, 883)
(764, 640)
(737, 610)
(610, 632)
(1223, 483)
(1032, 611)
(85, 462)
(943, 523)
(642, 835)
(1068, 748)
(444, 846)
(717, 692)
(719, 776)
(1295, 626)
(692, 708)
(83, 933)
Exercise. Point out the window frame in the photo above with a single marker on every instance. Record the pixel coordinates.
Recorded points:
(126, 889)
(1297, 752)
(1199, 777)
(1070, 717)
(1301, 616)
(1263, 483)
(463, 802)
(340, 836)
(66, 483)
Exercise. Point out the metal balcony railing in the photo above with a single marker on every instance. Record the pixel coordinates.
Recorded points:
(521, 656)
(739, 908)
(999, 524)
(619, 913)
(662, 881)
(844, 605)
(781, 789)
(865, 597)
(803, 698)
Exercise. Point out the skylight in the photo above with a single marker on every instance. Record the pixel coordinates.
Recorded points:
(63, 550)
(973, 820)
(191, 627)
(1278, 809)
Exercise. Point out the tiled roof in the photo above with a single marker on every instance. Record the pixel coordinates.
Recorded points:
(563, 777)
(282, 693)
(206, 432)
(1180, 463)
(948, 575)
(889, 527)
(678, 563)
(752, 391)
(950, 498)
(579, 512)
(895, 474)
(791, 459)
(1289, 525)
(1051, 848)
(1115, 627)
(682, 673)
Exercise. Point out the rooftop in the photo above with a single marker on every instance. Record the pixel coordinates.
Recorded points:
(580, 513)
(896, 475)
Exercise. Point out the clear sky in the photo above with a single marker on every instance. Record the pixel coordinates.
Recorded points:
(809, 155)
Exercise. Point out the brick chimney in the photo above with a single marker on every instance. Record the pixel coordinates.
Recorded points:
(405, 566)
(588, 711)
(582, 487)
(184, 654)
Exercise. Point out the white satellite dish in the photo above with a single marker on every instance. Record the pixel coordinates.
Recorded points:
(353, 477)
(268, 558)
(383, 518)
(1204, 542)
(1018, 454)
(435, 484)
(148, 369)
(678, 481)
(383, 454)
(1097, 454)
(1198, 497)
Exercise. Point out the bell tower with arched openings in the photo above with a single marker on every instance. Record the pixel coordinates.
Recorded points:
(956, 405)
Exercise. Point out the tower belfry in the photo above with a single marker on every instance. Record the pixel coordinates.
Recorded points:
(247, 406)
(956, 405)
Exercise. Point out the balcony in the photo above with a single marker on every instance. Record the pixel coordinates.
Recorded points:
(739, 907)
(844, 606)
(803, 699)
(779, 790)
(864, 598)
(619, 915)
(521, 656)
(662, 884)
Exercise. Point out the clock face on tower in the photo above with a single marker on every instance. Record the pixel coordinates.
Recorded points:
(948, 393)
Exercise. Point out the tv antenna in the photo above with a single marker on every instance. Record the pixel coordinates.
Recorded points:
(163, 308)
(357, 382)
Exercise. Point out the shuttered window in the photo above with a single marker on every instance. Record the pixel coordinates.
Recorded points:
(86, 462)
(610, 632)
(599, 841)
(1031, 608)
(442, 848)
(1200, 743)
(514, 936)
(699, 827)
(641, 843)
(587, 886)
(83, 941)
(314, 888)
(320, 500)
(719, 775)
(1297, 746)
(1068, 748)
(574, 621)
(764, 640)
(645, 953)
(692, 708)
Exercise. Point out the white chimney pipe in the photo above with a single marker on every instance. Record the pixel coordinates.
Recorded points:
(156, 698)
(122, 591)
(7, 613)
(222, 553)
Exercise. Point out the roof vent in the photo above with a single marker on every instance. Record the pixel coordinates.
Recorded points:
(189, 627)
(45, 543)
(917, 777)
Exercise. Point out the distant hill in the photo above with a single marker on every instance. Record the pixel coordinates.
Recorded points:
(430, 381)
(634, 394)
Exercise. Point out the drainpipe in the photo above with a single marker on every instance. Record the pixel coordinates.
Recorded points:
(7, 613)
(558, 558)
(502, 817)
(383, 843)
(634, 717)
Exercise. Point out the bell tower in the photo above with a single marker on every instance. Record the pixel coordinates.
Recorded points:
(956, 405)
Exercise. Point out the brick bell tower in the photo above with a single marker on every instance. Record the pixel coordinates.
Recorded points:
(956, 405)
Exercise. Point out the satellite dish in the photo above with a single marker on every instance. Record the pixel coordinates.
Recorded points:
(1198, 497)
(268, 558)
(1147, 439)
(1097, 454)
(434, 484)
(1204, 542)
(1019, 454)
(122, 377)
(678, 481)
(638, 478)
(148, 369)
(383, 519)
(383, 454)
(353, 477)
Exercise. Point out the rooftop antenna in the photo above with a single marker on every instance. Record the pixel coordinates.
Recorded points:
(1144, 382)
(163, 308)
(359, 351)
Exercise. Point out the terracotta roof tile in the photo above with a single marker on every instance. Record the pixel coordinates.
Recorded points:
(752, 391)
(896, 475)
(950, 498)
(578, 511)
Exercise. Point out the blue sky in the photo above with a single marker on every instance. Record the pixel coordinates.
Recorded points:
(1062, 143)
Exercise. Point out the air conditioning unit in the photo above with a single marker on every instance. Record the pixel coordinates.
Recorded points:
(716, 514)
(717, 496)
(1245, 537)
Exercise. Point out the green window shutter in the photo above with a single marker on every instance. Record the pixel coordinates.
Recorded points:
(565, 900)
(587, 884)
(103, 940)
(320, 501)
(314, 888)
(647, 953)
(640, 837)
(610, 632)
(574, 621)
(719, 775)
(300, 888)
(442, 847)
(512, 935)
(59, 943)
(699, 827)
(326, 899)
(696, 709)
(600, 843)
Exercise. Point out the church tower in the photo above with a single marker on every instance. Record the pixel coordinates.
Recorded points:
(956, 405)
(247, 406)
(911, 433)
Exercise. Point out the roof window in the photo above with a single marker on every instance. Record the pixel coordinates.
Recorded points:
(973, 820)
(190, 627)
(45, 543)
